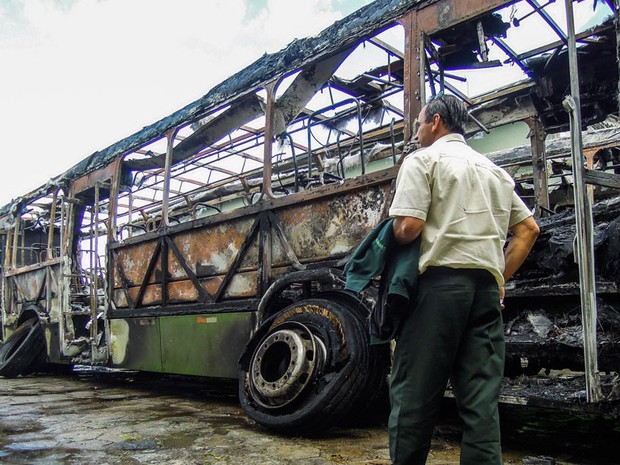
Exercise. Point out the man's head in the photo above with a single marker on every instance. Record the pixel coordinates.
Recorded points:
(443, 114)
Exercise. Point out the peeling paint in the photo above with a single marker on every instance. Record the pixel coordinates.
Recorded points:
(119, 338)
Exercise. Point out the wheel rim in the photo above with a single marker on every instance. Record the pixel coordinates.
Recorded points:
(284, 364)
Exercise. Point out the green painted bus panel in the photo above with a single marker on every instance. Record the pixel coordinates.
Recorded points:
(205, 345)
(136, 344)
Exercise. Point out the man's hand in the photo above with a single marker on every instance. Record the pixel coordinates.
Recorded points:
(502, 294)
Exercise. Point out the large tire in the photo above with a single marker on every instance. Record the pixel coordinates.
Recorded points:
(24, 350)
(373, 403)
(305, 367)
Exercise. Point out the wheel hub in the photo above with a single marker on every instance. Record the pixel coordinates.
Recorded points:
(284, 364)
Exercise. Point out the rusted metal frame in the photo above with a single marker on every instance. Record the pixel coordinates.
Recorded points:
(269, 136)
(27, 269)
(19, 292)
(66, 227)
(237, 261)
(154, 205)
(124, 281)
(229, 149)
(94, 269)
(288, 250)
(165, 295)
(251, 130)
(265, 258)
(380, 80)
(358, 104)
(386, 47)
(245, 107)
(436, 58)
(539, 165)
(600, 178)
(585, 225)
(232, 174)
(589, 156)
(229, 306)
(203, 295)
(149, 272)
(50, 235)
(8, 247)
(227, 146)
(431, 18)
(170, 137)
(326, 190)
(188, 180)
(293, 157)
(510, 52)
(454, 90)
(42, 287)
(443, 14)
(142, 197)
(115, 189)
(15, 242)
(413, 84)
(162, 188)
(22, 247)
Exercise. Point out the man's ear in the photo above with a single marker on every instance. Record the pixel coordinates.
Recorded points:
(436, 124)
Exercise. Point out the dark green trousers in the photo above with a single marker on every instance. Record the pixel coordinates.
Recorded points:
(455, 332)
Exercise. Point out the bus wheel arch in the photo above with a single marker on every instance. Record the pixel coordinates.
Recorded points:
(30, 311)
(267, 307)
(25, 350)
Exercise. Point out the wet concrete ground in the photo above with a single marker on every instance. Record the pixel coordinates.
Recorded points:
(86, 419)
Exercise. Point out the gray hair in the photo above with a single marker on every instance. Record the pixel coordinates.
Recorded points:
(452, 111)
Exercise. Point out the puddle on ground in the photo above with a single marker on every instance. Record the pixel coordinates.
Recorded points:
(113, 423)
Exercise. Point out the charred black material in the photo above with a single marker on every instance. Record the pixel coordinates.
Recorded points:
(598, 81)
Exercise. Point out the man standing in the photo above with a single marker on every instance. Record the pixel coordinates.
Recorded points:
(462, 205)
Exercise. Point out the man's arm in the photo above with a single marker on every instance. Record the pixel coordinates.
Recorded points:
(407, 229)
(524, 235)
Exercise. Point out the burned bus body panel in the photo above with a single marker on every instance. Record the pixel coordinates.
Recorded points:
(210, 267)
(212, 242)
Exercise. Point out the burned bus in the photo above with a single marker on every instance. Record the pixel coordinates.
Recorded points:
(212, 243)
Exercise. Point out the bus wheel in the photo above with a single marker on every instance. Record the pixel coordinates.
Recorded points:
(305, 367)
(24, 350)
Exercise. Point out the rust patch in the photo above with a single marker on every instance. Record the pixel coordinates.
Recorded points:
(315, 309)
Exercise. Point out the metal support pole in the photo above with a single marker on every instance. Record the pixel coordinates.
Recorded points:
(50, 233)
(414, 73)
(267, 191)
(94, 271)
(539, 165)
(584, 227)
(170, 136)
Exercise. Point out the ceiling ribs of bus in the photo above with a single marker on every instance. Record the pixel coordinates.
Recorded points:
(288, 107)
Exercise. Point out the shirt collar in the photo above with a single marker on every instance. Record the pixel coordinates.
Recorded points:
(452, 137)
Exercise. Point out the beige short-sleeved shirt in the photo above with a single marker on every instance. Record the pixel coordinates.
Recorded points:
(467, 202)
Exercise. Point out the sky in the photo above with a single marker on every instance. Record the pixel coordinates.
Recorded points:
(78, 75)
